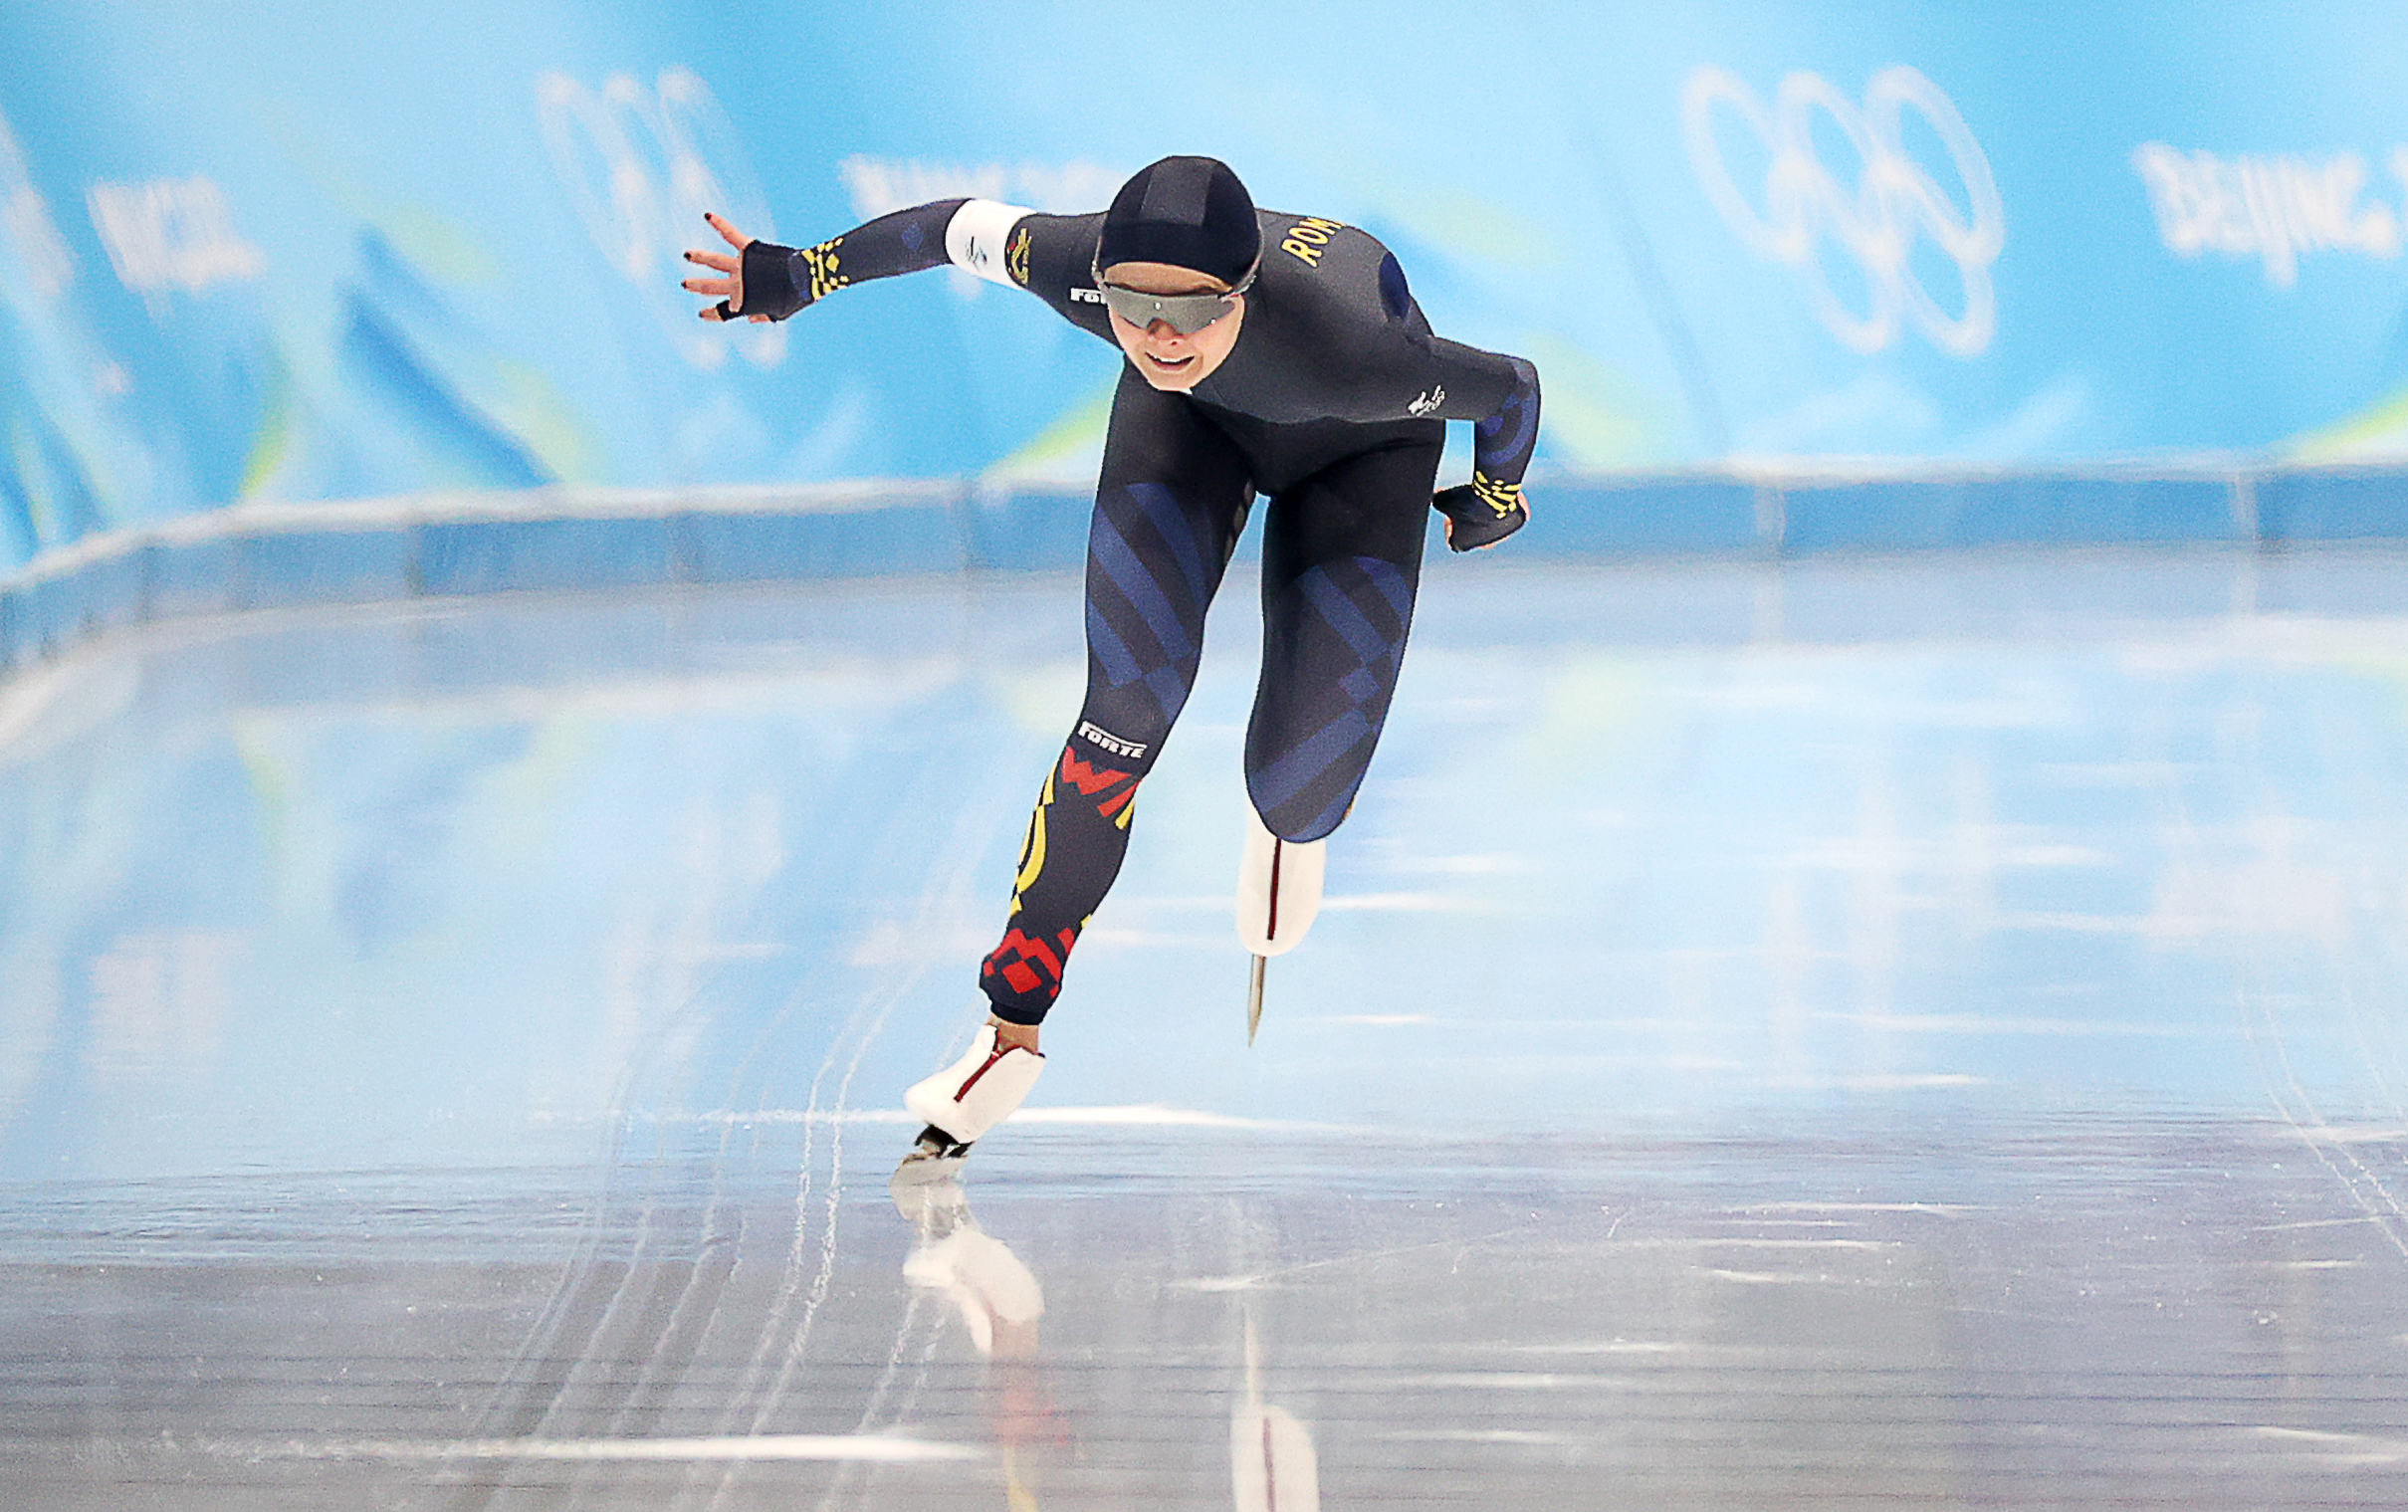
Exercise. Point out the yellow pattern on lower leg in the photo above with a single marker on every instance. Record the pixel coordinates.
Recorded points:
(1032, 849)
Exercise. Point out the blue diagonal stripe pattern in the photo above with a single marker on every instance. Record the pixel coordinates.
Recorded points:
(1160, 507)
(1153, 575)
(1391, 584)
(1282, 780)
(1340, 614)
(1347, 599)
(1497, 453)
(1330, 817)
(1113, 652)
(1129, 574)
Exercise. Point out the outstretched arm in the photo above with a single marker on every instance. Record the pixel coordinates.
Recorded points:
(767, 282)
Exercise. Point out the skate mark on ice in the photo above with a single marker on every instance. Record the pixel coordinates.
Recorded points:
(1263, 1278)
(1155, 1115)
(877, 1448)
(953, 872)
(2365, 1187)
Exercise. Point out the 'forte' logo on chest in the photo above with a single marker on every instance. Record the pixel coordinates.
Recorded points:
(1309, 238)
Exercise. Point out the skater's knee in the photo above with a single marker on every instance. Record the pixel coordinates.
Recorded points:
(1303, 814)
(1320, 827)
(1114, 734)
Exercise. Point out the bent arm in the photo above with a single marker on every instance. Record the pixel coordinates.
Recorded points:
(1499, 395)
(969, 232)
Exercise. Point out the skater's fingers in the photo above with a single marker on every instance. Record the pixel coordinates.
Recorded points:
(758, 320)
(728, 233)
(731, 290)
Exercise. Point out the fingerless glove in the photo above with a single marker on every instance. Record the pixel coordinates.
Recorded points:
(1484, 512)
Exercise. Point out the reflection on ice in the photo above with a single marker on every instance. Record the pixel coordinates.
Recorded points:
(1273, 1466)
(998, 1297)
(1000, 1303)
(1271, 1463)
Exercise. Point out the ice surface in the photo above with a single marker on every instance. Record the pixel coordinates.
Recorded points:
(1920, 1031)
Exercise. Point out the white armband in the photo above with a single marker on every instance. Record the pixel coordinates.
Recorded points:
(975, 240)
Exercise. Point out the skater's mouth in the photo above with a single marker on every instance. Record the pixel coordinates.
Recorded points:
(1163, 350)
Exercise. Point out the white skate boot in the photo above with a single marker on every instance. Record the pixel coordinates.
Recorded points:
(1278, 897)
(963, 1101)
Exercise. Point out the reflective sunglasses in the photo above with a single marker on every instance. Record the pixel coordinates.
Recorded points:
(1186, 314)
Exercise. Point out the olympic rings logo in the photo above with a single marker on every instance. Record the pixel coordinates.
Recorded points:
(642, 164)
(1876, 224)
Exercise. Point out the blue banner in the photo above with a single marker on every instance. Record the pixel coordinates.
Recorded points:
(291, 252)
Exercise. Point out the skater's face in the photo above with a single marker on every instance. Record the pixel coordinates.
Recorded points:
(1161, 354)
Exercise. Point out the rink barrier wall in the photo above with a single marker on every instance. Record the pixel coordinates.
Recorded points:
(275, 556)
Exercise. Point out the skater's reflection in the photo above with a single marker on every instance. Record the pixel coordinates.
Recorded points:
(1000, 1303)
(1273, 1467)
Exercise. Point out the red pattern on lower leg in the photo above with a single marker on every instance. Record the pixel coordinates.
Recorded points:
(1029, 965)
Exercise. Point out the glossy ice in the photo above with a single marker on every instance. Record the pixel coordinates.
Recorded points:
(1914, 1033)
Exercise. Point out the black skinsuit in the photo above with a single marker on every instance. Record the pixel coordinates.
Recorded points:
(1332, 405)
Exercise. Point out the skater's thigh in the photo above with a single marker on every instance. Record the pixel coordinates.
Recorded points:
(1170, 501)
(1342, 560)
(1373, 503)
